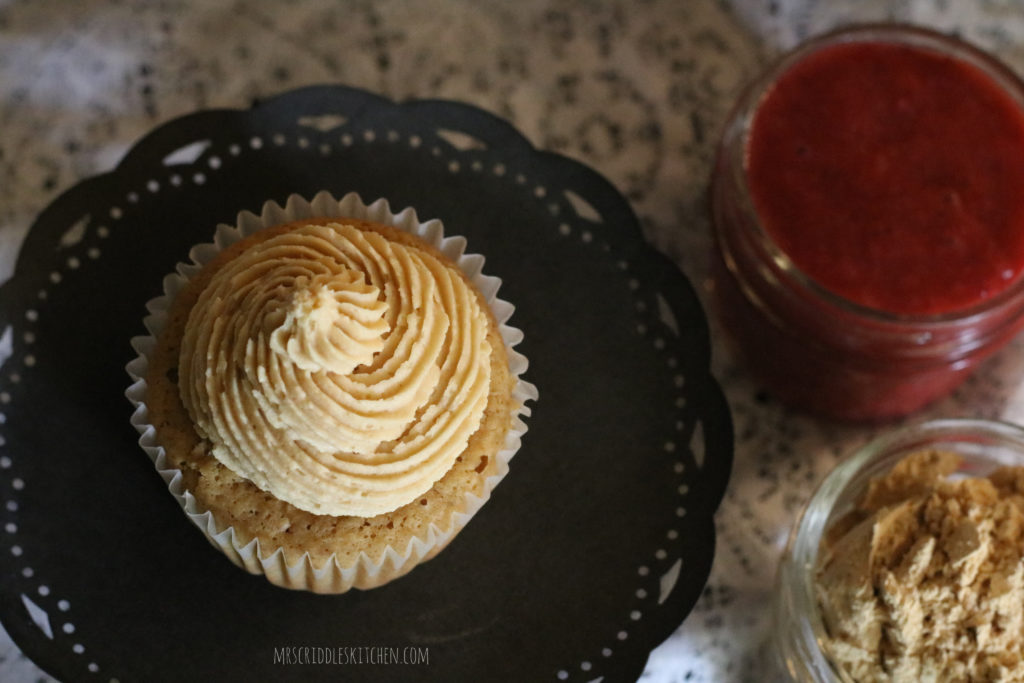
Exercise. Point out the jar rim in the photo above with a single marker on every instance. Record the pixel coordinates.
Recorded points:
(796, 589)
(1010, 299)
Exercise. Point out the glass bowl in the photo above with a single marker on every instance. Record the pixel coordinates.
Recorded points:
(799, 632)
(814, 348)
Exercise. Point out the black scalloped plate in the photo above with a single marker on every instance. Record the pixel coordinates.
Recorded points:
(590, 553)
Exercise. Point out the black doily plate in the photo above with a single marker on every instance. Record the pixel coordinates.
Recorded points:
(591, 551)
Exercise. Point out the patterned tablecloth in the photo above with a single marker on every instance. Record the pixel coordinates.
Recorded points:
(638, 89)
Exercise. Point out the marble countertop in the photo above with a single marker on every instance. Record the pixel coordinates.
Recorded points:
(637, 89)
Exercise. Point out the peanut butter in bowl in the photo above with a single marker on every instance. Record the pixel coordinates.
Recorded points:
(924, 579)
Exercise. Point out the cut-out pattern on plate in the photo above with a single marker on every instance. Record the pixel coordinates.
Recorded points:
(572, 552)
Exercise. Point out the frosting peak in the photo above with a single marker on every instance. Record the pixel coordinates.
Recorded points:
(332, 322)
(337, 369)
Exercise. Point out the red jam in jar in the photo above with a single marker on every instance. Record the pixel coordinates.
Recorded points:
(868, 204)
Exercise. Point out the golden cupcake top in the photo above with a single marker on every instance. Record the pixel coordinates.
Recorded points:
(341, 371)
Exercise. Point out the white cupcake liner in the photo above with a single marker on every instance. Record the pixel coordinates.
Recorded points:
(367, 571)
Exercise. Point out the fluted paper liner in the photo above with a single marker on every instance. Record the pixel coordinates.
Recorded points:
(367, 571)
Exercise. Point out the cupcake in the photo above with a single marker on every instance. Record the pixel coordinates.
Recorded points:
(330, 391)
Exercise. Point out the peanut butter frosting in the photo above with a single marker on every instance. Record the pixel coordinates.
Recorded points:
(338, 370)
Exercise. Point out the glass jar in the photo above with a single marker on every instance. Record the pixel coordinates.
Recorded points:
(799, 630)
(816, 349)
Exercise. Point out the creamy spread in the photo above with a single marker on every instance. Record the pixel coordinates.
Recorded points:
(925, 580)
(338, 370)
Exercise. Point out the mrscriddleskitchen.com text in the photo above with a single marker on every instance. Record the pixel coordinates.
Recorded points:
(374, 655)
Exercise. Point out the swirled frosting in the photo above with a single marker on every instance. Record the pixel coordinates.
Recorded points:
(338, 370)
